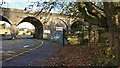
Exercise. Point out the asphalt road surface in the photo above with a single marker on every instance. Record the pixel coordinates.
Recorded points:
(34, 57)
(19, 43)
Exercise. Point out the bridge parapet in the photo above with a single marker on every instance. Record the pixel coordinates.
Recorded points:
(11, 9)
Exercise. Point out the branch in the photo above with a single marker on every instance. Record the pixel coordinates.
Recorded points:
(38, 13)
(93, 20)
(98, 7)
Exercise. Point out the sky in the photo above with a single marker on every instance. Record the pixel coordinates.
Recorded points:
(25, 25)
(2, 22)
(19, 4)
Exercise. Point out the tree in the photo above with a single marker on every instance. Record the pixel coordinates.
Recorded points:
(103, 14)
(106, 17)
(112, 13)
(3, 26)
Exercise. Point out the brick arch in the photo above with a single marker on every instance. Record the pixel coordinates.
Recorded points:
(64, 22)
(37, 24)
(59, 22)
(2, 18)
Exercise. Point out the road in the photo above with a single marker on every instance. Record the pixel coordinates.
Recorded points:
(35, 57)
(10, 48)
(19, 43)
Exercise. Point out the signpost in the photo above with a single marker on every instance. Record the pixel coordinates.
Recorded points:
(47, 31)
(59, 28)
(62, 30)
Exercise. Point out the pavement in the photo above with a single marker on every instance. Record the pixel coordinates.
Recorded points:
(35, 57)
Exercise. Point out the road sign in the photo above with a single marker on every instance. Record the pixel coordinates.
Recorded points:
(47, 31)
(59, 28)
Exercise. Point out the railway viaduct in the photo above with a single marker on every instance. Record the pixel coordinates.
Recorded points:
(41, 21)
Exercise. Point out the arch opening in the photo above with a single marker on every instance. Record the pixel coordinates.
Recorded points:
(79, 26)
(38, 27)
(57, 28)
(25, 30)
(51, 25)
(80, 30)
(57, 23)
(5, 30)
(2, 18)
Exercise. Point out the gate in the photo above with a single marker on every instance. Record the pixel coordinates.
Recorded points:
(58, 36)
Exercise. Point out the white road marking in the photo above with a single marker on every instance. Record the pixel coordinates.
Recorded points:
(26, 46)
(22, 53)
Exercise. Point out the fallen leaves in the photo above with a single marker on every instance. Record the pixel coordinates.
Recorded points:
(70, 56)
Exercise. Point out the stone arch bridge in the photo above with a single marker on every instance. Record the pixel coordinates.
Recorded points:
(41, 22)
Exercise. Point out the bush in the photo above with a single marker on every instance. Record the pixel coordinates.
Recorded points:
(73, 40)
(105, 57)
(32, 33)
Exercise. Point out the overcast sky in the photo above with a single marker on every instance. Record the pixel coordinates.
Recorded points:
(20, 4)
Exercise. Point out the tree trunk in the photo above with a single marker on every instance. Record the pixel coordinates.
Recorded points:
(114, 41)
(119, 35)
(112, 23)
(114, 36)
(89, 34)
